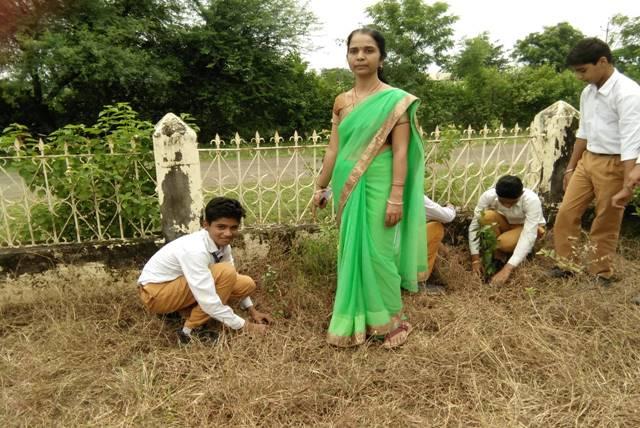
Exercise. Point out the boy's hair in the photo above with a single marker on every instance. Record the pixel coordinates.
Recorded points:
(509, 186)
(221, 207)
(589, 51)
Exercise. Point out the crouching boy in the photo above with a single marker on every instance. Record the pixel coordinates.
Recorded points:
(195, 276)
(515, 214)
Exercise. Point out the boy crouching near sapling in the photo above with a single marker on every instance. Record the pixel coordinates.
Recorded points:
(195, 275)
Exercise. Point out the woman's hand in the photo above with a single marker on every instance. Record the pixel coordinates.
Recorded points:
(393, 214)
(321, 197)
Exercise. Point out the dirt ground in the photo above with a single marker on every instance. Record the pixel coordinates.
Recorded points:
(77, 348)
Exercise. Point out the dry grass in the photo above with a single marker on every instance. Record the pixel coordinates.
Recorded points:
(76, 348)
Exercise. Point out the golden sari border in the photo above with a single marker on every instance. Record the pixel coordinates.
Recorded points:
(361, 337)
(371, 151)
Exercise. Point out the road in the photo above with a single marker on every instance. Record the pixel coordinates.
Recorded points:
(12, 186)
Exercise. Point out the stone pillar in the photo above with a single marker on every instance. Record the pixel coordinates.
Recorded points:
(179, 187)
(555, 130)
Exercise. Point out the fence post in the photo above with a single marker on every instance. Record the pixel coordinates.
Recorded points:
(554, 129)
(179, 187)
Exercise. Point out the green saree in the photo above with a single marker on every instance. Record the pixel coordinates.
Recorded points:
(375, 261)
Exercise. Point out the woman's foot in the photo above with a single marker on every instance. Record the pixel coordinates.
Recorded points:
(398, 336)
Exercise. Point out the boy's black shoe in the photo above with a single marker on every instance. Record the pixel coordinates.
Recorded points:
(203, 335)
(433, 289)
(605, 281)
(183, 338)
(557, 273)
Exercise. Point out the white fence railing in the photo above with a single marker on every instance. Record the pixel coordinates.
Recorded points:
(64, 198)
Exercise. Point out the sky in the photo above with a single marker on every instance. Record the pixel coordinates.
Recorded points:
(505, 21)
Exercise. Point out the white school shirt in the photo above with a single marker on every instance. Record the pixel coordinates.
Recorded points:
(610, 117)
(436, 212)
(527, 211)
(190, 255)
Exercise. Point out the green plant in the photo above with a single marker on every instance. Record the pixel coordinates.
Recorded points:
(488, 244)
(88, 181)
(318, 252)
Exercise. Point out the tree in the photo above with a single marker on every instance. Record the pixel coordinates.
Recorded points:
(550, 47)
(69, 60)
(337, 79)
(242, 70)
(233, 64)
(417, 34)
(476, 53)
(625, 42)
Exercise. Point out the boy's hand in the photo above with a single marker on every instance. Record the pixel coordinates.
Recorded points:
(476, 265)
(634, 177)
(253, 328)
(503, 276)
(260, 317)
(622, 198)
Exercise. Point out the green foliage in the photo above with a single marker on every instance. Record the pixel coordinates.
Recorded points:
(83, 52)
(488, 244)
(417, 35)
(625, 42)
(318, 252)
(234, 65)
(490, 96)
(85, 176)
(550, 47)
(477, 53)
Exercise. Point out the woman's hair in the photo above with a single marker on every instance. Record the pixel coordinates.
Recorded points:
(379, 39)
(589, 51)
(509, 186)
(221, 207)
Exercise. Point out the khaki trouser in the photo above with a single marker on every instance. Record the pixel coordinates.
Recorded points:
(597, 177)
(435, 233)
(175, 295)
(507, 234)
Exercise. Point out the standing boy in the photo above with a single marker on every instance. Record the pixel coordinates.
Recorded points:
(196, 276)
(605, 152)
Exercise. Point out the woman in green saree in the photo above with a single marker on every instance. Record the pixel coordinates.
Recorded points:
(375, 162)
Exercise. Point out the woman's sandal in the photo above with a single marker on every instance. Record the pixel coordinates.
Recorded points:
(404, 328)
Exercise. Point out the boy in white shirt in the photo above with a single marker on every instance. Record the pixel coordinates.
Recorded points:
(604, 155)
(195, 275)
(437, 216)
(516, 216)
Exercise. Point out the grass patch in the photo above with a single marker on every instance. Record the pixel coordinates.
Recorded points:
(77, 348)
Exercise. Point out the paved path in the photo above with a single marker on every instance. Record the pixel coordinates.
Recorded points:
(12, 185)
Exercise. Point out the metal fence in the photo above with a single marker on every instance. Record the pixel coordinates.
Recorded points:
(274, 177)
(70, 198)
(58, 197)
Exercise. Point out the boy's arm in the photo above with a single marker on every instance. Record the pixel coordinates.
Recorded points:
(200, 281)
(578, 149)
(529, 233)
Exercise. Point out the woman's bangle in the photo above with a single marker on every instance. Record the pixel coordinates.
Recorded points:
(390, 202)
(568, 171)
(475, 261)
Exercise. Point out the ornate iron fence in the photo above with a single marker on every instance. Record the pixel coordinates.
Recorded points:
(54, 199)
(64, 197)
(274, 177)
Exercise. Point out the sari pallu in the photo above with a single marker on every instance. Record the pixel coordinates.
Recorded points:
(375, 261)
